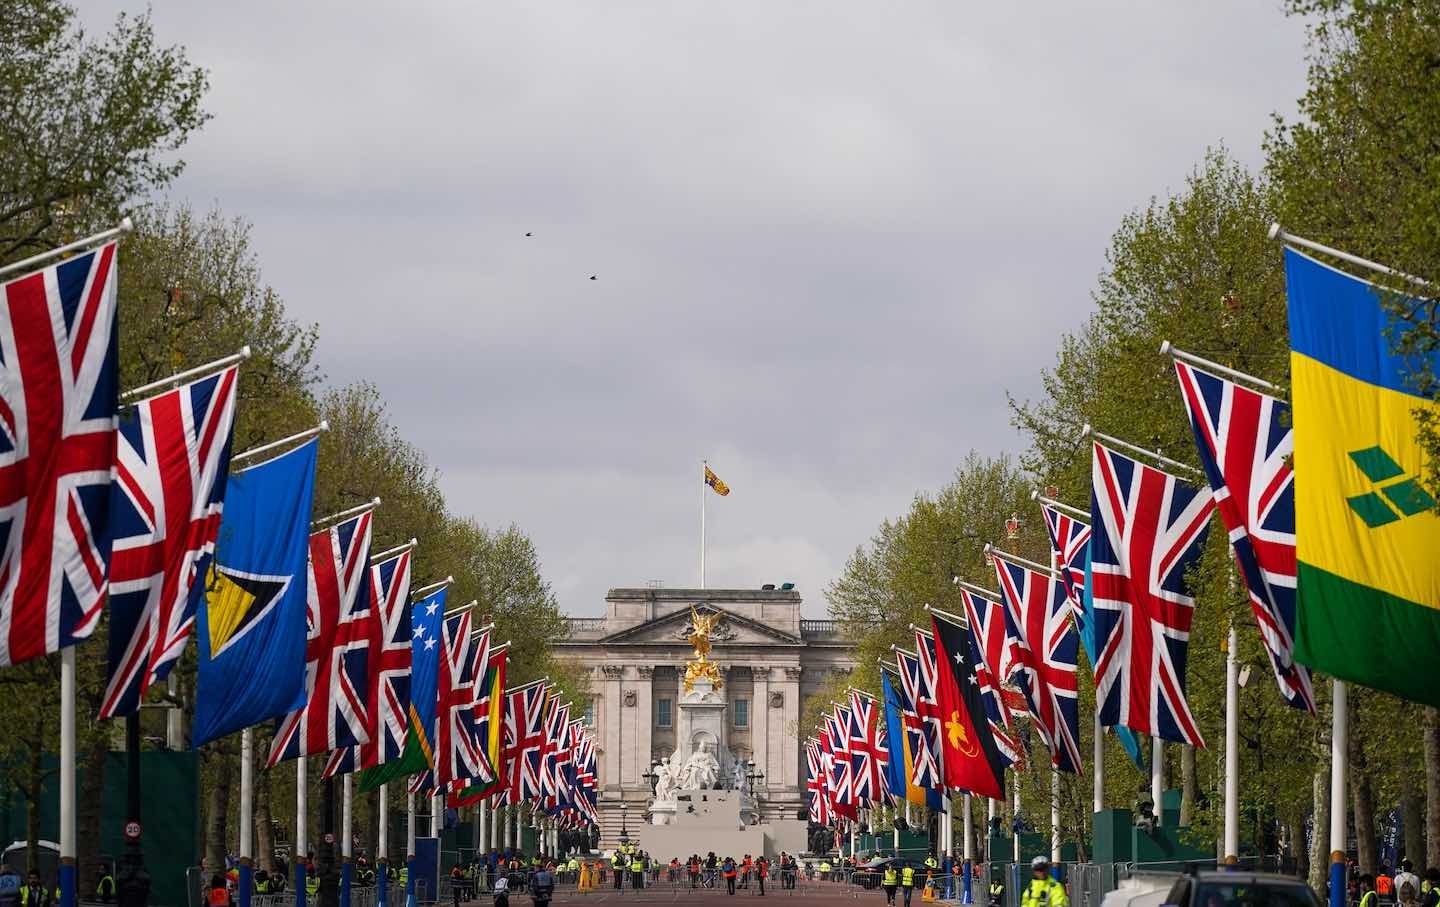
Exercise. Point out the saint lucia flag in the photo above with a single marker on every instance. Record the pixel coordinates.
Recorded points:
(252, 623)
(1366, 530)
(900, 769)
(425, 619)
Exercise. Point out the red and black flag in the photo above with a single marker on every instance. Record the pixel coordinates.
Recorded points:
(972, 762)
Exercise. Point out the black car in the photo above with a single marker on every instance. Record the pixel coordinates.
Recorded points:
(1240, 889)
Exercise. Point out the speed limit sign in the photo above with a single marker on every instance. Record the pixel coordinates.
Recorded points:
(132, 830)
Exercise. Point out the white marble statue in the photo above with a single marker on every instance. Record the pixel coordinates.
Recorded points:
(701, 770)
(664, 783)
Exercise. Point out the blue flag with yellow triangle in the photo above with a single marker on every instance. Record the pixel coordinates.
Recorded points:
(252, 622)
(900, 769)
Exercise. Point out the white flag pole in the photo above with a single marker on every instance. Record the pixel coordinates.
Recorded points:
(1157, 775)
(382, 846)
(347, 818)
(1054, 815)
(179, 377)
(1232, 745)
(68, 893)
(302, 829)
(1339, 766)
(247, 813)
(305, 435)
(104, 236)
(704, 465)
(1276, 233)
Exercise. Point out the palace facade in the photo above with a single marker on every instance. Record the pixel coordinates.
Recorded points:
(770, 659)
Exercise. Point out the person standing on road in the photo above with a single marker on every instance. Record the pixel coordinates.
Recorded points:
(728, 869)
(542, 887)
(762, 869)
(888, 880)
(907, 881)
(1043, 890)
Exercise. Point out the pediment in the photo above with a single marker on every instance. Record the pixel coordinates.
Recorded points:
(732, 630)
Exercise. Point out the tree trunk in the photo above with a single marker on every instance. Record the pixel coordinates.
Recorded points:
(32, 807)
(1295, 846)
(1320, 828)
(217, 811)
(264, 829)
(88, 797)
(1412, 815)
(1432, 786)
(1363, 804)
(1188, 791)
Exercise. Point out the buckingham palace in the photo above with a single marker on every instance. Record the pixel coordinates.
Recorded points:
(769, 657)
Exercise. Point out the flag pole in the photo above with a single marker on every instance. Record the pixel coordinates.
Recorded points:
(968, 851)
(302, 832)
(704, 464)
(382, 848)
(104, 236)
(1168, 348)
(409, 849)
(1339, 765)
(433, 587)
(953, 618)
(1054, 814)
(305, 435)
(247, 814)
(341, 516)
(68, 894)
(1157, 776)
(392, 552)
(987, 594)
(179, 377)
(1232, 743)
(1089, 431)
(1024, 562)
(1059, 505)
(1278, 234)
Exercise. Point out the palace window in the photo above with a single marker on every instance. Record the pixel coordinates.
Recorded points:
(662, 712)
(742, 713)
(590, 712)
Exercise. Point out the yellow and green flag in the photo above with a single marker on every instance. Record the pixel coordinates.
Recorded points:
(1366, 531)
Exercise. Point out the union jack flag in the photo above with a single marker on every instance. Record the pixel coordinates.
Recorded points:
(1245, 443)
(339, 609)
(525, 713)
(554, 757)
(1036, 615)
(994, 653)
(57, 447)
(387, 671)
(171, 463)
(842, 794)
(922, 721)
(1148, 528)
(585, 780)
(1070, 539)
(815, 784)
(868, 748)
(457, 752)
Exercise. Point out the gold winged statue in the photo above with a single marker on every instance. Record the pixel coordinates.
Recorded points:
(701, 626)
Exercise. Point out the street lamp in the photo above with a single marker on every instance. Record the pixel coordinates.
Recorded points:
(752, 776)
(624, 828)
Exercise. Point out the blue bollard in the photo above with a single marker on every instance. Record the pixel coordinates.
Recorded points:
(965, 896)
(67, 882)
(410, 881)
(382, 883)
(1337, 879)
(344, 885)
(300, 883)
(247, 881)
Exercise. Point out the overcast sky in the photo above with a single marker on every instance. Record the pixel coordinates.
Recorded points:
(828, 236)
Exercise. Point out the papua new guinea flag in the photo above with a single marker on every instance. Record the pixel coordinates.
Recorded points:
(253, 621)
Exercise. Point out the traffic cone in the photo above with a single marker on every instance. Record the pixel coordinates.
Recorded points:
(929, 893)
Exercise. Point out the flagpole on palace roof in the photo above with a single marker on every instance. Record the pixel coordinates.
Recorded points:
(1089, 431)
(179, 377)
(392, 552)
(1279, 235)
(343, 515)
(104, 236)
(1059, 505)
(1169, 349)
(308, 433)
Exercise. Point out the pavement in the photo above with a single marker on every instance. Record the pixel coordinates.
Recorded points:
(812, 894)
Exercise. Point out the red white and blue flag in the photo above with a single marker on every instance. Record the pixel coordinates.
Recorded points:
(994, 653)
(1148, 527)
(1038, 617)
(554, 756)
(1070, 540)
(525, 713)
(339, 615)
(387, 671)
(815, 788)
(868, 748)
(922, 721)
(842, 795)
(1245, 442)
(171, 463)
(57, 448)
(457, 752)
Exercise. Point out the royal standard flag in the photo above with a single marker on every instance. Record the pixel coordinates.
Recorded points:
(714, 482)
(1366, 532)
(425, 620)
(253, 621)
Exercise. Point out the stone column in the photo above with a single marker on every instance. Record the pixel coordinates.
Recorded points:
(760, 720)
(609, 716)
(790, 742)
(644, 720)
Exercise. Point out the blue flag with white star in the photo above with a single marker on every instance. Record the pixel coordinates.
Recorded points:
(426, 616)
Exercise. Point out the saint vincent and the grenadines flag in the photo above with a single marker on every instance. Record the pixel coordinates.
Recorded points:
(1368, 583)
(252, 624)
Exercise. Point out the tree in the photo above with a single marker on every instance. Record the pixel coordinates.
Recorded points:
(88, 126)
